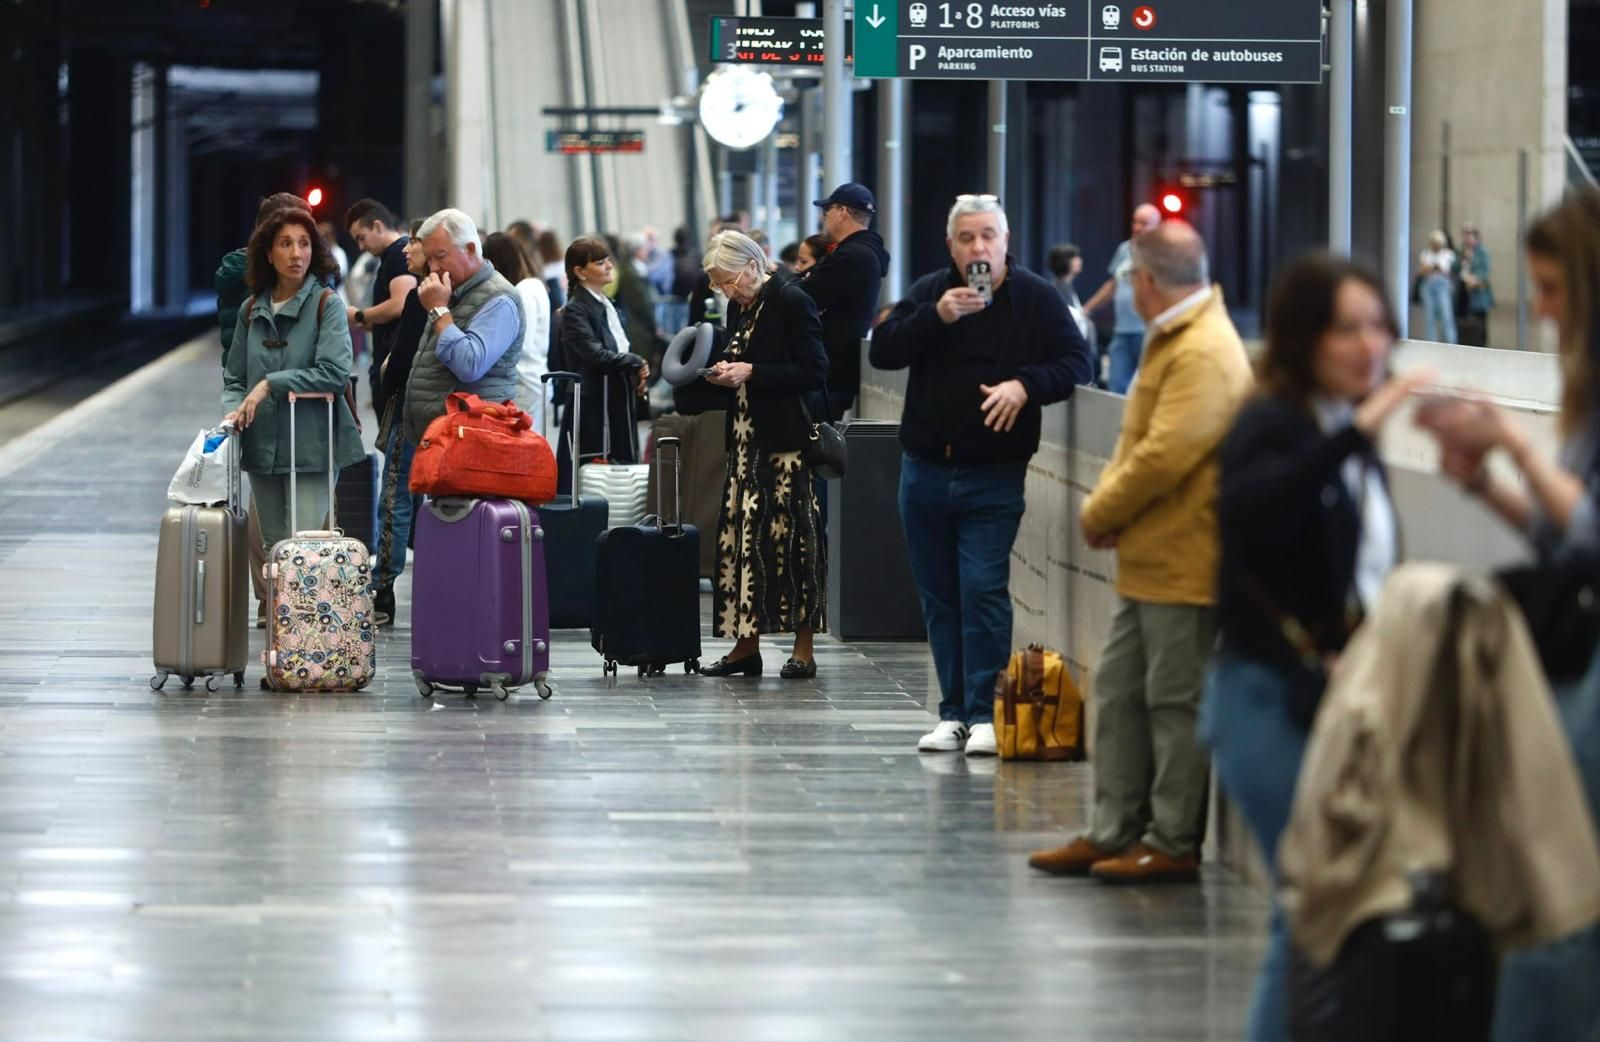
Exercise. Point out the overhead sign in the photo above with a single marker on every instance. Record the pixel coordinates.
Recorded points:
(769, 41)
(586, 142)
(1186, 41)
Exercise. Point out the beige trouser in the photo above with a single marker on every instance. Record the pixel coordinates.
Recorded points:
(1150, 770)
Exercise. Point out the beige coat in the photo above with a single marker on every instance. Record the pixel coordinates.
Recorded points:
(1437, 747)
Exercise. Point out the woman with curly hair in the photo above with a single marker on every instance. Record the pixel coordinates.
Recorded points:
(289, 338)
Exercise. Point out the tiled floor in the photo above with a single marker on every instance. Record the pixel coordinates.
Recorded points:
(673, 859)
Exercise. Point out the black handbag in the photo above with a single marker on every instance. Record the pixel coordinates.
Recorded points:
(1562, 610)
(826, 453)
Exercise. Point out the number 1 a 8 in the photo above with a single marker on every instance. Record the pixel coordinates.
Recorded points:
(974, 16)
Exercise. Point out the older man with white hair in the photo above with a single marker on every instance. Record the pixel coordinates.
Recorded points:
(474, 333)
(988, 345)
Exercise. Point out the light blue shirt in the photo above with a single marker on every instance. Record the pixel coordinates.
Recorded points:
(468, 353)
(1128, 320)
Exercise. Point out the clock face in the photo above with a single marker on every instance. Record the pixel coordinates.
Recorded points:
(739, 107)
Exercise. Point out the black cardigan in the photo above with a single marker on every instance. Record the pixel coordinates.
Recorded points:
(588, 346)
(787, 363)
(1290, 531)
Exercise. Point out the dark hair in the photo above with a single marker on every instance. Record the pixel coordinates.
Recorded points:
(279, 201)
(1061, 258)
(509, 257)
(549, 246)
(818, 245)
(416, 226)
(1569, 235)
(260, 275)
(585, 249)
(790, 253)
(522, 231)
(366, 211)
(1300, 311)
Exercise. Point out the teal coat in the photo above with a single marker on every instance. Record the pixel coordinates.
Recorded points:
(310, 361)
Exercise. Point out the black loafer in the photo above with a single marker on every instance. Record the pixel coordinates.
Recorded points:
(749, 666)
(795, 669)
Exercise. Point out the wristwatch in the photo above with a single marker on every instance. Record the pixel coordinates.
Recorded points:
(361, 316)
(437, 313)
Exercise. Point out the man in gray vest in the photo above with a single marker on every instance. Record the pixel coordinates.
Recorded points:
(474, 332)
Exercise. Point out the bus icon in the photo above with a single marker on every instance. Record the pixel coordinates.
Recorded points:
(1111, 59)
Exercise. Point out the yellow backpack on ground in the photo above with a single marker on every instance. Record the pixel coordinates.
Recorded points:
(1038, 712)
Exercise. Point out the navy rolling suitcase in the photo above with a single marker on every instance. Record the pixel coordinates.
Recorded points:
(356, 501)
(647, 588)
(571, 530)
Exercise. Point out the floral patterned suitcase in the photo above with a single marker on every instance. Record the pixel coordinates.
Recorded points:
(320, 637)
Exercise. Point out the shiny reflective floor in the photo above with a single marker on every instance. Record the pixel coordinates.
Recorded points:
(675, 858)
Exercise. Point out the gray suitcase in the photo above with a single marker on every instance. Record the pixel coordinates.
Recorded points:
(202, 604)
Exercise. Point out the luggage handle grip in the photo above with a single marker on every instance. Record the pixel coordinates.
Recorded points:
(294, 513)
(677, 478)
(564, 376)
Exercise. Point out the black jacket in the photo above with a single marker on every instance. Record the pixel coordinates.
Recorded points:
(396, 367)
(588, 346)
(1290, 531)
(1027, 334)
(846, 284)
(787, 361)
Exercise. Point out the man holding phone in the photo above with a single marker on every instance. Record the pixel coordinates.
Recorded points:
(988, 344)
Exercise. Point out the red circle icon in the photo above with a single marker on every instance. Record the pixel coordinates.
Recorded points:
(1144, 18)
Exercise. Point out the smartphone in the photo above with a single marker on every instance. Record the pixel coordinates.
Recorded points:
(706, 372)
(980, 279)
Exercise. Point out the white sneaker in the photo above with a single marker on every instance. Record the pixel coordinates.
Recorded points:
(946, 738)
(980, 741)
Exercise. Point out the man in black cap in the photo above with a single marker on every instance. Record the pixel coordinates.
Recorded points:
(845, 285)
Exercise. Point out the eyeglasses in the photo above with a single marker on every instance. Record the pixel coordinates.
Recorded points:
(724, 285)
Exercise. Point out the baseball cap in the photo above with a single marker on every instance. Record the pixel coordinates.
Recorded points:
(855, 196)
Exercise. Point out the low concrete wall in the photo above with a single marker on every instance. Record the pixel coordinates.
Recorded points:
(1063, 592)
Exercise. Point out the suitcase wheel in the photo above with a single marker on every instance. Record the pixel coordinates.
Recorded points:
(499, 692)
(211, 683)
(424, 688)
(544, 689)
(188, 683)
(692, 666)
(159, 681)
(471, 690)
(609, 668)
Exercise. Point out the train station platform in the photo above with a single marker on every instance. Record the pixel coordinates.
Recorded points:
(672, 858)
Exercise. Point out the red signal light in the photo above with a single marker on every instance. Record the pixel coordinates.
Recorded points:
(1172, 203)
(314, 197)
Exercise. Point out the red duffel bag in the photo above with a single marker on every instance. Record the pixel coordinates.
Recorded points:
(480, 448)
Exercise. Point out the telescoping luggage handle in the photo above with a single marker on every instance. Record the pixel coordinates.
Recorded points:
(294, 514)
(677, 480)
(235, 469)
(577, 429)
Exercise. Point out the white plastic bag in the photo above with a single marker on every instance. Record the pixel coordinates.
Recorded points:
(202, 479)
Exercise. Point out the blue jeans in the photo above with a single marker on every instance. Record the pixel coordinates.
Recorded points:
(960, 523)
(1552, 993)
(1258, 747)
(1125, 351)
(1439, 309)
(396, 510)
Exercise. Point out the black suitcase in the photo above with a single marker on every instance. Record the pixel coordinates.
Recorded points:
(1428, 972)
(355, 508)
(571, 529)
(647, 587)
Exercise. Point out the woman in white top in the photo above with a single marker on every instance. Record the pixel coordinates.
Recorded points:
(510, 258)
(1437, 289)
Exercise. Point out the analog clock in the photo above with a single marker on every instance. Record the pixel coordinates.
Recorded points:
(739, 106)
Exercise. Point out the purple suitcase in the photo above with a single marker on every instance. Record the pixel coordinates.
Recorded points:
(480, 601)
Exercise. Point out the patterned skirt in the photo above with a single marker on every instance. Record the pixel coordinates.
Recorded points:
(771, 559)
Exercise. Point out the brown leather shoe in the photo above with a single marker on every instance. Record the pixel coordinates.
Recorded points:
(1145, 864)
(1074, 859)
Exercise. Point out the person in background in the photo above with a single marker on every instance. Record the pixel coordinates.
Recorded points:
(809, 252)
(289, 338)
(554, 272)
(656, 262)
(330, 236)
(1436, 286)
(397, 506)
(357, 293)
(846, 284)
(512, 261)
(377, 231)
(981, 374)
(1066, 264)
(686, 272)
(1477, 291)
(1549, 992)
(1127, 334)
(1156, 505)
(597, 347)
(788, 257)
(636, 301)
(771, 558)
(527, 235)
(1309, 534)
(232, 291)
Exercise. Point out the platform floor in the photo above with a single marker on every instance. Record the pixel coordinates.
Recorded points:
(677, 858)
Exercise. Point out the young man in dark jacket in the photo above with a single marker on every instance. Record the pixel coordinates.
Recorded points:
(846, 284)
(982, 365)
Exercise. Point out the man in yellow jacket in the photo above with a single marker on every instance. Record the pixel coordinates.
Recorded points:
(1156, 504)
